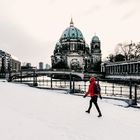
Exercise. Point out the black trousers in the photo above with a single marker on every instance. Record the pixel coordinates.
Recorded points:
(94, 100)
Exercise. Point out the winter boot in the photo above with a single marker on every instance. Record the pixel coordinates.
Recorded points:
(100, 115)
(87, 111)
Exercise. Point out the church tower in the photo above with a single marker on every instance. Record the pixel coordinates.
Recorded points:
(95, 46)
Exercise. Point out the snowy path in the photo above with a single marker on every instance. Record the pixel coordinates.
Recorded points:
(34, 114)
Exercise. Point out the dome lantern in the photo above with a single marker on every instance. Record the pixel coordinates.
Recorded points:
(71, 23)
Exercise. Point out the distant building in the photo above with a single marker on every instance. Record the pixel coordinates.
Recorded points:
(5, 61)
(41, 65)
(8, 63)
(124, 70)
(72, 52)
(27, 66)
(15, 65)
(47, 66)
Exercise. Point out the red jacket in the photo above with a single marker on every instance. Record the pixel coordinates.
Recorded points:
(90, 87)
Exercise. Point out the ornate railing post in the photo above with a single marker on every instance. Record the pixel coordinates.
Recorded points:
(73, 85)
(70, 82)
(21, 76)
(135, 95)
(51, 82)
(34, 78)
(130, 90)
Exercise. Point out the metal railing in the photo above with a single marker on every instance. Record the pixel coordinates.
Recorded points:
(131, 91)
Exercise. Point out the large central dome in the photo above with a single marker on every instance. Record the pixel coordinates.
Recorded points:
(72, 33)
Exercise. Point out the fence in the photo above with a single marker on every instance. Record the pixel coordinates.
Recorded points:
(131, 91)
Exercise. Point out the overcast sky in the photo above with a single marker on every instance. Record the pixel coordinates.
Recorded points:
(29, 29)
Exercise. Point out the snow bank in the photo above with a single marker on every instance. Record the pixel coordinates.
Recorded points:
(34, 114)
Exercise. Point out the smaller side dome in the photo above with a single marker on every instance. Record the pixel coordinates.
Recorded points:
(95, 39)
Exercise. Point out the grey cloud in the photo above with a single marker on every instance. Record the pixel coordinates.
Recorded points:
(132, 6)
(52, 2)
(17, 42)
(92, 9)
(129, 14)
(119, 2)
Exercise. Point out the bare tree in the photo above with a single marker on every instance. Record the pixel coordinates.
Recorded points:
(125, 51)
(137, 51)
(111, 58)
(129, 50)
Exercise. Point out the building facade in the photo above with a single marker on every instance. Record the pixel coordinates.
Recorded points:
(41, 67)
(124, 70)
(47, 67)
(71, 51)
(8, 63)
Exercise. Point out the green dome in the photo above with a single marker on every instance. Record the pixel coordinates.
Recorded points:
(72, 33)
(95, 39)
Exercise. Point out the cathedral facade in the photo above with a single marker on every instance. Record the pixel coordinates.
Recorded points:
(71, 52)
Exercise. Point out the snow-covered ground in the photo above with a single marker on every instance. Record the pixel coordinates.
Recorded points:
(35, 114)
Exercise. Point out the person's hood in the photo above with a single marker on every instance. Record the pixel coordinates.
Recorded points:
(92, 79)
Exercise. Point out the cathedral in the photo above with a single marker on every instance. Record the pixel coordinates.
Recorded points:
(72, 53)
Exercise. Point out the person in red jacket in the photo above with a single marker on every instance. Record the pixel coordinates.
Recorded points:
(93, 96)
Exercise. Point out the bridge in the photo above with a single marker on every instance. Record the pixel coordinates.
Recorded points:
(37, 73)
(51, 73)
